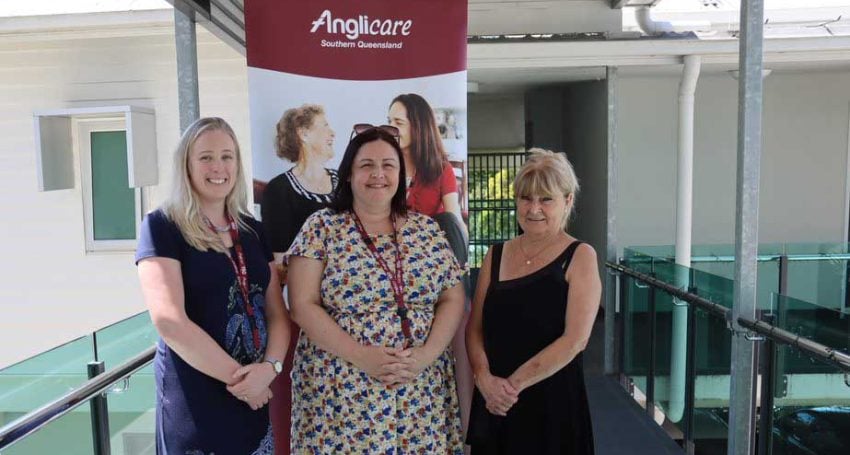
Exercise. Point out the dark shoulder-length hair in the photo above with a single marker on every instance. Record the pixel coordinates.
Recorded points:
(426, 146)
(343, 197)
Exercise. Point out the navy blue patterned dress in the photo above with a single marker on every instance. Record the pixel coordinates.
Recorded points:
(195, 414)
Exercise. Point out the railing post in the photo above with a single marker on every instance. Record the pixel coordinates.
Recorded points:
(780, 317)
(653, 352)
(621, 324)
(99, 414)
(623, 331)
(783, 274)
(690, 380)
(767, 357)
(847, 284)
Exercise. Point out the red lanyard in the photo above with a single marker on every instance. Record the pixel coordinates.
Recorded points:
(396, 276)
(240, 267)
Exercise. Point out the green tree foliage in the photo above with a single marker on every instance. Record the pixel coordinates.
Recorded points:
(492, 216)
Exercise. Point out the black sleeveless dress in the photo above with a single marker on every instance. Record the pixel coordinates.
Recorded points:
(521, 317)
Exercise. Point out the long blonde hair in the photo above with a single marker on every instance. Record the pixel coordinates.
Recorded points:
(182, 206)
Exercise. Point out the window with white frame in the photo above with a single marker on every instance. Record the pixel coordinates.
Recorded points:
(112, 149)
(112, 209)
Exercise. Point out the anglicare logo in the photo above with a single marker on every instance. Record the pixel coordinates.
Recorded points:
(354, 28)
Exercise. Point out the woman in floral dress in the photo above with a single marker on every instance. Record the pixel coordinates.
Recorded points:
(377, 294)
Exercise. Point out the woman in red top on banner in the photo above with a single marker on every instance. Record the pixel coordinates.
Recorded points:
(432, 190)
(431, 184)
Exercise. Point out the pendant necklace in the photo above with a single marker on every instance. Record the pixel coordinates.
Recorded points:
(530, 259)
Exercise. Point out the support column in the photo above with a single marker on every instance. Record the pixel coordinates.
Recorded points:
(742, 398)
(187, 65)
(610, 303)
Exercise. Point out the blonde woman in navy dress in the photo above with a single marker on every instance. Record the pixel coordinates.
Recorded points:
(206, 276)
(535, 303)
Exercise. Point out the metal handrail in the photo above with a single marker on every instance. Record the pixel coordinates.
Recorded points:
(37, 419)
(685, 296)
(814, 349)
(810, 257)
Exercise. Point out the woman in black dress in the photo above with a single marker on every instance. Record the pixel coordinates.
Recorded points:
(534, 307)
(206, 275)
(305, 139)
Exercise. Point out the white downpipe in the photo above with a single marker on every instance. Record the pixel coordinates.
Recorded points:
(684, 221)
(643, 16)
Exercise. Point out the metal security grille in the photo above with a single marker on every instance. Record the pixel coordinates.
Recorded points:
(492, 217)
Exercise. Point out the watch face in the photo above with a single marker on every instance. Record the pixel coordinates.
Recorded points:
(278, 367)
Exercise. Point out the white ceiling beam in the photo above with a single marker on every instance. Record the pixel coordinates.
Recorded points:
(568, 54)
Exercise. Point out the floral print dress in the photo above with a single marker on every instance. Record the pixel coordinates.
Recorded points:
(338, 408)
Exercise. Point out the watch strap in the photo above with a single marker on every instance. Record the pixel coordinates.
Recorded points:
(276, 365)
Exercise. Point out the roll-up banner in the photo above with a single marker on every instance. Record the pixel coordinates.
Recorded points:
(351, 59)
(316, 68)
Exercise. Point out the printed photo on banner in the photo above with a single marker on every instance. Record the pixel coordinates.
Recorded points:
(315, 70)
(320, 68)
(299, 138)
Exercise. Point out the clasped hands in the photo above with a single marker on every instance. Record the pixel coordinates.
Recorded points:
(499, 394)
(251, 384)
(393, 365)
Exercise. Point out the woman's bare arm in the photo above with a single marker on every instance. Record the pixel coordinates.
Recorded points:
(277, 318)
(474, 328)
(162, 289)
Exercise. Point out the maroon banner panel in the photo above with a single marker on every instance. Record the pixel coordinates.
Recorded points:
(357, 39)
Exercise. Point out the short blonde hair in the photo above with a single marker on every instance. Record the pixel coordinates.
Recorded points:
(546, 173)
(182, 206)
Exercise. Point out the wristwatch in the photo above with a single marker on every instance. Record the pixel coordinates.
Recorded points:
(276, 364)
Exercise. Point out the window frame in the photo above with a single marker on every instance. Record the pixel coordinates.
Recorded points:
(82, 128)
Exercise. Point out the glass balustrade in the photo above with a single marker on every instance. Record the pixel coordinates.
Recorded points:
(808, 396)
(34, 382)
(44, 378)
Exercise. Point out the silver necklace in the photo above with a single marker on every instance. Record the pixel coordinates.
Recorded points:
(225, 228)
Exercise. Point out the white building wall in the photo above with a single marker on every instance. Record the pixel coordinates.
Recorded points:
(804, 158)
(51, 290)
(804, 161)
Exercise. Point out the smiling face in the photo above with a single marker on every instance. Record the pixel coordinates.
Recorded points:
(397, 117)
(374, 174)
(213, 166)
(318, 139)
(543, 214)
